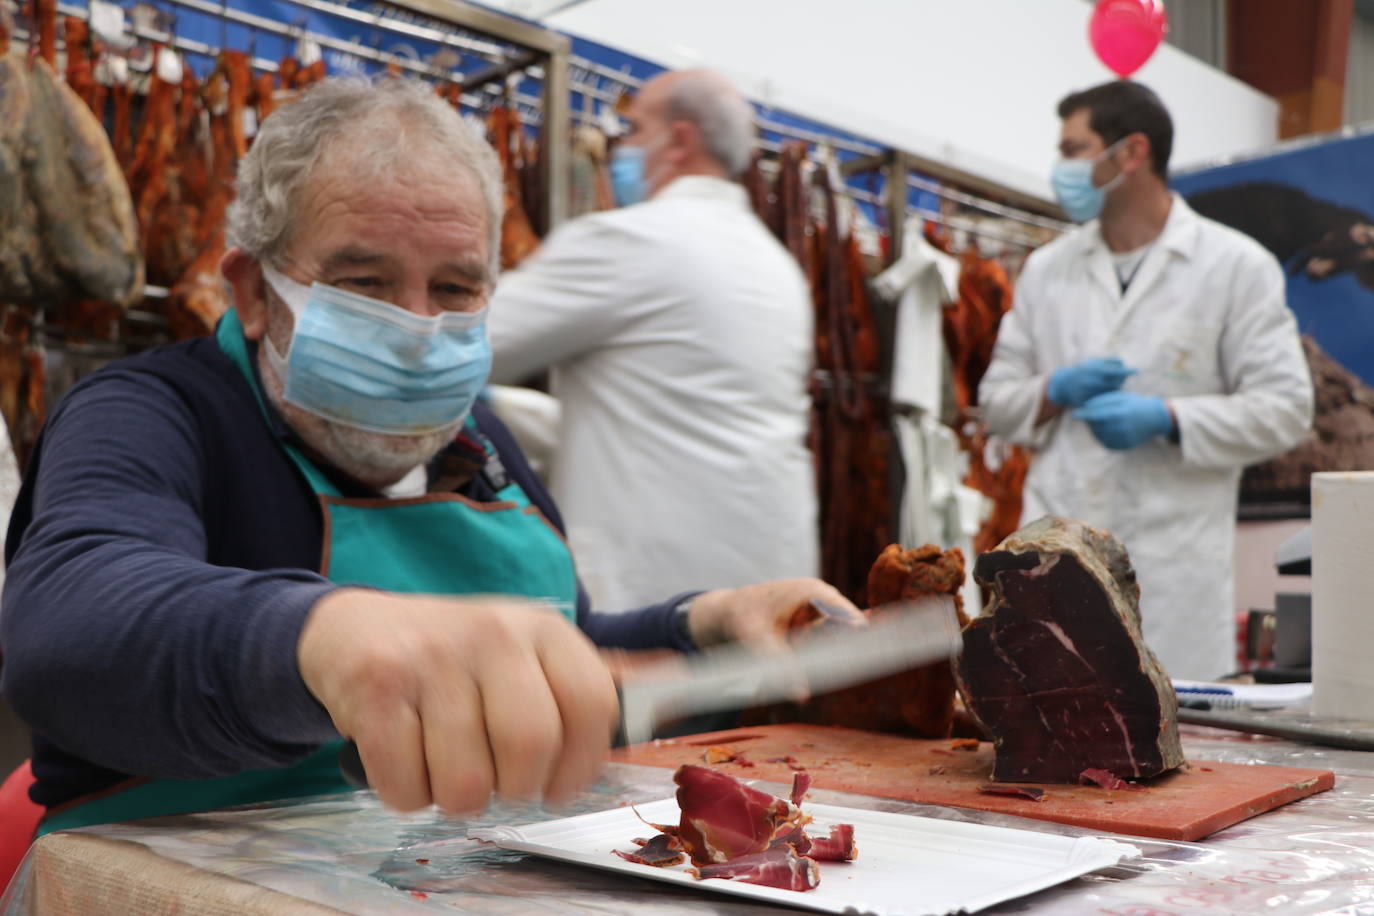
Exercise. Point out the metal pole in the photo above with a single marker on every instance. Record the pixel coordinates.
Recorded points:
(557, 136)
(897, 169)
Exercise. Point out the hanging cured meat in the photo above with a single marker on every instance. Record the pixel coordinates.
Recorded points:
(854, 441)
(236, 69)
(762, 197)
(849, 436)
(164, 220)
(589, 175)
(919, 702)
(199, 295)
(22, 403)
(996, 469)
(67, 228)
(531, 176)
(263, 96)
(287, 69)
(80, 71)
(1057, 670)
(46, 15)
(518, 239)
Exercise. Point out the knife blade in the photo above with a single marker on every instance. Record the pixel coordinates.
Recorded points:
(734, 676)
(828, 658)
(1352, 735)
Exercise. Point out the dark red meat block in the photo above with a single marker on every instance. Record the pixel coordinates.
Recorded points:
(777, 867)
(723, 819)
(1056, 668)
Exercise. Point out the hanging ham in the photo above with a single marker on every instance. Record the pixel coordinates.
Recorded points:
(67, 228)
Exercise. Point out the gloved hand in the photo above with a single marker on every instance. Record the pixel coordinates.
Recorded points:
(1121, 420)
(1073, 386)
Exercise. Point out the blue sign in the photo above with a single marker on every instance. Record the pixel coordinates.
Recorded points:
(1312, 206)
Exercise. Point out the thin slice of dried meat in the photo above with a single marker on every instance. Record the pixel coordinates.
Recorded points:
(723, 819)
(837, 847)
(778, 867)
(1106, 779)
(660, 852)
(1031, 792)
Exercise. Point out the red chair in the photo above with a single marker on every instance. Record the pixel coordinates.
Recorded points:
(19, 818)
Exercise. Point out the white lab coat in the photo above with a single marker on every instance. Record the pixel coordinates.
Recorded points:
(680, 335)
(935, 508)
(1205, 322)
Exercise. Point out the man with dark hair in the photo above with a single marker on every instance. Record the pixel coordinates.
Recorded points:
(1117, 109)
(1149, 357)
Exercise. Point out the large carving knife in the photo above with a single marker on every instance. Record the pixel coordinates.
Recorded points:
(824, 659)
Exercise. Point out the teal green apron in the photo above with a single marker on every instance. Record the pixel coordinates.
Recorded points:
(436, 544)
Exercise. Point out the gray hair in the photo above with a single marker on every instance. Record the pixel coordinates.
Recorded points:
(721, 114)
(378, 124)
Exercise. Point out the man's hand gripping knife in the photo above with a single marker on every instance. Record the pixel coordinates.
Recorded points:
(453, 699)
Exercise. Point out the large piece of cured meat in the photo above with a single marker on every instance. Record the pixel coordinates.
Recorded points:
(1056, 668)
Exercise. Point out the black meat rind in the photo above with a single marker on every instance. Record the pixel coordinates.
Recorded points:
(1056, 668)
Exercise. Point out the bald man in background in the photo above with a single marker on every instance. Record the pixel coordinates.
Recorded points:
(679, 334)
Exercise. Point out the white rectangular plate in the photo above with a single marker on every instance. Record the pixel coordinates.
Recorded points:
(906, 865)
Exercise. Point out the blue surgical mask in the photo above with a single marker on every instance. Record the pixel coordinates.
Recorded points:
(627, 175)
(368, 364)
(1072, 180)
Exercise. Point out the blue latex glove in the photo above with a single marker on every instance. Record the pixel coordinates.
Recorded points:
(1121, 420)
(1074, 386)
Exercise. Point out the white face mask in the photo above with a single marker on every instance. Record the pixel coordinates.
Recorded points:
(370, 365)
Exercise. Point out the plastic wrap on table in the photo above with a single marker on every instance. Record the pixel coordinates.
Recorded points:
(347, 852)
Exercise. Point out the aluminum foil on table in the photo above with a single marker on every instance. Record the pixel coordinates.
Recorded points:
(348, 852)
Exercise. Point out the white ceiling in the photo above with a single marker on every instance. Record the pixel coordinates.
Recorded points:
(973, 83)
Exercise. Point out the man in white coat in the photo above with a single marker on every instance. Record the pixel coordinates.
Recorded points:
(679, 332)
(1149, 357)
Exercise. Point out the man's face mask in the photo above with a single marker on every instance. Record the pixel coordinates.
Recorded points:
(627, 175)
(1072, 180)
(371, 365)
(630, 178)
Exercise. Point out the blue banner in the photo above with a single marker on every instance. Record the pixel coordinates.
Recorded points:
(1312, 206)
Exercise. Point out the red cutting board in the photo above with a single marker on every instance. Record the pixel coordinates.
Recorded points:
(1184, 805)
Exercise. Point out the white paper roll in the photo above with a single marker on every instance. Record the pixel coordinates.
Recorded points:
(1343, 594)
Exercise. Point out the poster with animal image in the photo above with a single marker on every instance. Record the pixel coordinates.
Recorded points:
(1311, 204)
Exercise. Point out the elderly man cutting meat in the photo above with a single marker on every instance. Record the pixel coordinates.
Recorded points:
(231, 552)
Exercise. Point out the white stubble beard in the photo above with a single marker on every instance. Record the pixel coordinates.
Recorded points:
(376, 459)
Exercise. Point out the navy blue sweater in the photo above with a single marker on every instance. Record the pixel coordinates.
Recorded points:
(161, 561)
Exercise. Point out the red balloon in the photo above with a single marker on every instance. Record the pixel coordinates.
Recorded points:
(1124, 33)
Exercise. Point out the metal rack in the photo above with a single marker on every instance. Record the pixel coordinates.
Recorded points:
(597, 83)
